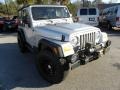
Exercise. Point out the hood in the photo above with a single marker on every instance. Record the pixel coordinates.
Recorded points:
(64, 29)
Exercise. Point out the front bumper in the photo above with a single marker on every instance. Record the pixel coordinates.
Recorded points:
(90, 53)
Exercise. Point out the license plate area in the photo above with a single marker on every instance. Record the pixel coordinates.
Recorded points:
(91, 19)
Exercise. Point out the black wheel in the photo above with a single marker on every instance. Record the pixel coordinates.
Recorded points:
(21, 44)
(50, 67)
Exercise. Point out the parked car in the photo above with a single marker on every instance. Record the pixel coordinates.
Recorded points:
(110, 17)
(60, 44)
(1, 23)
(10, 24)
(88, 16)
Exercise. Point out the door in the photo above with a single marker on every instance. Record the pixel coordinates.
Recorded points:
(93, 15)
(82, 14)
(28, 30)
(88, 16)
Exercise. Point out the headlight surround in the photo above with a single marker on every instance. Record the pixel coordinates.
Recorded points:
(74, 40)
(98, 35)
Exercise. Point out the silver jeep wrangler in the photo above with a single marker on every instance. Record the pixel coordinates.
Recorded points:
(60, 44)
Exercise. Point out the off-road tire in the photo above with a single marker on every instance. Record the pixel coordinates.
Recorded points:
(50, 67)
(21, 44)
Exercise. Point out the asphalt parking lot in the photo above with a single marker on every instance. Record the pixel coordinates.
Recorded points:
(18, 71)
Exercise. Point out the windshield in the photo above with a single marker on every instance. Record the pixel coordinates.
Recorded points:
(40, 13)
(92, 11)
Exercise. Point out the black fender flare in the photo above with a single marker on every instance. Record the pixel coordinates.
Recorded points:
(48, 45)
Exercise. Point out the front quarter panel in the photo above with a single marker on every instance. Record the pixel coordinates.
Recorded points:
(64, 49)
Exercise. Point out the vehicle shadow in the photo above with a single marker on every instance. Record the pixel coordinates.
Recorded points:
(17, 69)
(117, 65)
(3, 34)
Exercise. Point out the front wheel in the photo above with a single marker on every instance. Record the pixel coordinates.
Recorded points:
(21, 44)
(50, 67)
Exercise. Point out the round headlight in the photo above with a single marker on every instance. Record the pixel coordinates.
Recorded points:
(98, 35)
(74, 40)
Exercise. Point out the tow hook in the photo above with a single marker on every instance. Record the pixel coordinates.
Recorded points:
(108, 43)
(107, 47)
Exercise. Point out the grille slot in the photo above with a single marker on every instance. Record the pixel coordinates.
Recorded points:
(89, 37)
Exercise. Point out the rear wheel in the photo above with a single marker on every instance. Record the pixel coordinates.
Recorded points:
(50, 67)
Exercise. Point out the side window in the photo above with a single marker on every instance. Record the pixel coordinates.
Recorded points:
(25, 18)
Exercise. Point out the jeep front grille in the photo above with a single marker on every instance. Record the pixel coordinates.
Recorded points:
(89, 37)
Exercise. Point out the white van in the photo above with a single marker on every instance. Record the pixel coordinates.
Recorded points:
(88, 16)
(111, 17)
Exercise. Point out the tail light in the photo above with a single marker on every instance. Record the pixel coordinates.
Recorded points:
(117, 18)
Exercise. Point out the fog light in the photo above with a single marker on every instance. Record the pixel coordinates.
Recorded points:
(91, 50)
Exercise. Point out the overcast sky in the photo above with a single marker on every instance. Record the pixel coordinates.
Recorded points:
(106, 1)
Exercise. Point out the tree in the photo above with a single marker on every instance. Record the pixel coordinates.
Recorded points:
(72, 8)
(39, 1)
(61, 2)
(96, 2)
(20, 2)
